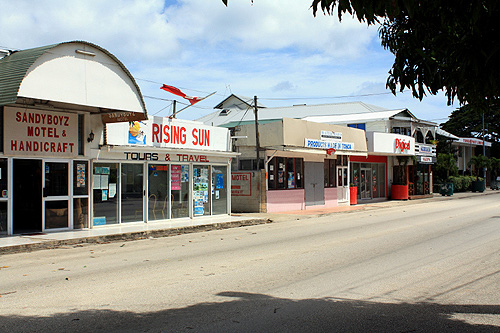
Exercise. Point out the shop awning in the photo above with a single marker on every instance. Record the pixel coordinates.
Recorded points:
(442, 132)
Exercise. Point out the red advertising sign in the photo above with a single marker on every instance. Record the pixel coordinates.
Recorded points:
(175, 180)
(40, 133)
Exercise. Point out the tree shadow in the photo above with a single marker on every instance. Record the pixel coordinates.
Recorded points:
(247, 312)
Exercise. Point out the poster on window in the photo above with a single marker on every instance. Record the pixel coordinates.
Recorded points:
(219, 181)
(291, 180)
(176, 177)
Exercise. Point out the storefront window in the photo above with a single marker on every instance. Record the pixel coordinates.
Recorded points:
(56, 214)
(179, 180)
(200, 190)
(285, 173)
(369, 179)
(280, 167)
(219, 190)
(158, 203)
(330, 169)
(105, 185)
(132, 192)
(80, 178)
(80, 213)
(3, 217)
(56, 179)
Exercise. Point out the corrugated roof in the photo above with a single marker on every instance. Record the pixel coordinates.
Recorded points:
(354, 117)
(13, 69)
(297, 111)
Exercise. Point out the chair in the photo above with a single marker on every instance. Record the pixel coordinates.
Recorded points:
(165, 207)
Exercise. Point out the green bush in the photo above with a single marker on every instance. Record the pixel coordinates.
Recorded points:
(461, 183)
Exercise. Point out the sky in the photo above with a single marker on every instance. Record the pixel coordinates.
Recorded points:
(275, 50)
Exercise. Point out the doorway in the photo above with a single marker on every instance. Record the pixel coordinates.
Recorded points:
(342, 184)
(314, 187)
(366, 183)
(27, 196)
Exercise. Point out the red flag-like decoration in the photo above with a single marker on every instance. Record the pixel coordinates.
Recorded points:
(178, 92)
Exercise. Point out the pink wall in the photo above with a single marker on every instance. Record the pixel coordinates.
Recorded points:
(286, 200)
(331, 197)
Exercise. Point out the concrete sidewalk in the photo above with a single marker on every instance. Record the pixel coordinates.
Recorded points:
(140, 230)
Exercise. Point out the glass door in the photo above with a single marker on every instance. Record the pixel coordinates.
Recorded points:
(201, 185)
(342, 184)
(366, 183)
(132, 192)
(55, 195)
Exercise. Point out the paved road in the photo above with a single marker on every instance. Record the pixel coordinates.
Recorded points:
(419, 267)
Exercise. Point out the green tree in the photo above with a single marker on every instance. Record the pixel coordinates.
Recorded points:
(438, 45)
(446, 166)
(467, 122)
(479, 162)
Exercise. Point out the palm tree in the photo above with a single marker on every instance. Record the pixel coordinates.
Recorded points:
(479, 162)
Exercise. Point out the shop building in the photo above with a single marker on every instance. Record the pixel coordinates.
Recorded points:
(78, 151)
(305, 166)
(161, 169)
(53, 109)
(396, 138)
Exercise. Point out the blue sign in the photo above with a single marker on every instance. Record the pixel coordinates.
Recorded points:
(99, 220)
(220, 181)
(310, 143)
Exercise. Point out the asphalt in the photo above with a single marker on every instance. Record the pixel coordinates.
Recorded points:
(140, 230)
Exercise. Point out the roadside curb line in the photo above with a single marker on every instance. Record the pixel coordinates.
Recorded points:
(136, 235)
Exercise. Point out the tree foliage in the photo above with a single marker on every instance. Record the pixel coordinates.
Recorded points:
(450, 45)
(438, 45)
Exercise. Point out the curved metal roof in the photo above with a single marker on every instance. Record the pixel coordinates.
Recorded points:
(14, 67)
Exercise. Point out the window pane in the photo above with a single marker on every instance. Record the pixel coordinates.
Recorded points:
(299, 173)
(219, 189)
(105, 186)
(56, 214)
(200, 190)
(80, 179)
(271, 177)
(3, 177)
(290, 173)
(158, 205)
(3, 218)
(80, 213)
(56, 178)
(132, 192)
(180, 190)
(281, 172)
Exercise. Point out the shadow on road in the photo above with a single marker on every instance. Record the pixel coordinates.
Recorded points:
(246, 312)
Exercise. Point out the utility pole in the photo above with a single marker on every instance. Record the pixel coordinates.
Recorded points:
(257, 136)
(174, 107)
(484, 153)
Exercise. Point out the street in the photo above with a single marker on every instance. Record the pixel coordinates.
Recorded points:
(417, 267)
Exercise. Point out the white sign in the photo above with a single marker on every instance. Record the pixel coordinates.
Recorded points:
(311, 143)
(331, 136)
(40, 133)
(473, 141)
(390, 143)
(171, 133)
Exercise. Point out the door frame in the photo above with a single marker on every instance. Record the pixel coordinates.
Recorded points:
(367, 183)
(67, 197)
(343, 184)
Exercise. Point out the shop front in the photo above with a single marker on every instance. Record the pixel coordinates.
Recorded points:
(306, 164)
(44, 185)
(388, 161)
(420, 173)
(51, 117)
(160, 169)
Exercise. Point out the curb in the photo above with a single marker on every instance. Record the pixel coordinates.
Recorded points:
(52, 244)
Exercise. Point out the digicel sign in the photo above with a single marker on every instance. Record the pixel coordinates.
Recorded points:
(40, 133)
(402, 145)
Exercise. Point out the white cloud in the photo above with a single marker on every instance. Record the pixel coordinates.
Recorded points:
(203, 46)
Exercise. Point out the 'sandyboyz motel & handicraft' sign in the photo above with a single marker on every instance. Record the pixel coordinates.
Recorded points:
(40, 133)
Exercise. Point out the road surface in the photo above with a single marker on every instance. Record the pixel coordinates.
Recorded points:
(418, 267)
